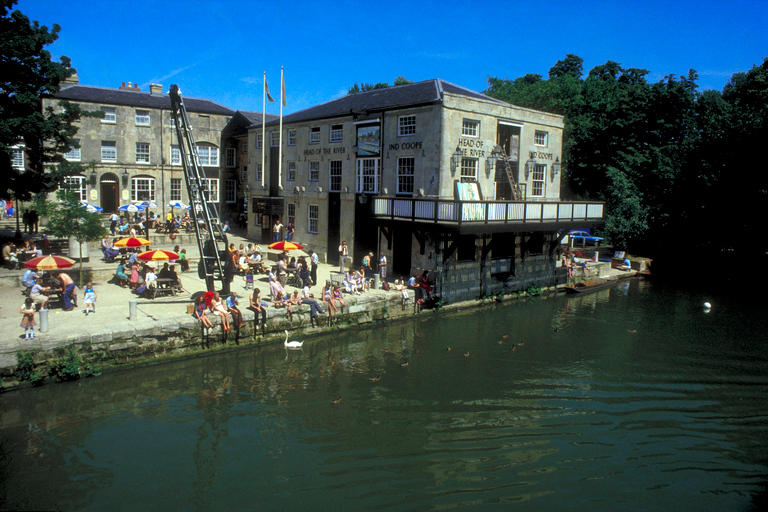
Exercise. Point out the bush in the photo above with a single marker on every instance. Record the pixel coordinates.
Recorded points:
(66, 367)
(25, 371)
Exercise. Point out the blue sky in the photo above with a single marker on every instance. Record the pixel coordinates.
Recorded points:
(218, 49)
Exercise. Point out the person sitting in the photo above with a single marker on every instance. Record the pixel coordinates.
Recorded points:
(260, 308)
(275, 286)
(199, 312)
(314, 306)
(350, 282)
(183, 261)
(163, 274)
(327, 294)
(361, 280)
(399, 286)
(418, 291)
(237, 315)
(37, 294)
(28, 279)
(121, 275)
(338, 296)
(281, 301)
(9, 256)
(292, 264)
(150, 282)
(424, 283)
(626, 265)
(304, 272)
(219, 309)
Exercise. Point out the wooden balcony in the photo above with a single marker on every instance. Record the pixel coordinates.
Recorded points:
(489, 216)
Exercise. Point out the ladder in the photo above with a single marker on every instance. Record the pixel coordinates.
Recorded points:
(504, 160)
(202, 211)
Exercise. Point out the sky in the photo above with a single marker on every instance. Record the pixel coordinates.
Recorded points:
(219, 49)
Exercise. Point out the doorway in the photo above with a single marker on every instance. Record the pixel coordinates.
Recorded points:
(109, 192)
(401, 251)
(334, 227)
(508, 137)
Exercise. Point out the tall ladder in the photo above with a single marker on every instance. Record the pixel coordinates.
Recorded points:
(504, 160)
(210, 267)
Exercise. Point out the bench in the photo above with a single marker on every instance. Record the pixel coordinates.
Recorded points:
(337, 279)
(166, 287)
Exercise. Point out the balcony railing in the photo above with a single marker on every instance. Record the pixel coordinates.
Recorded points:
(465, 212)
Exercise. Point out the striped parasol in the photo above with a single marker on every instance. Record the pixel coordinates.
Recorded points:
(131, 208)
(132, 242)
(286, 246)
(49, 262)
(158, 255)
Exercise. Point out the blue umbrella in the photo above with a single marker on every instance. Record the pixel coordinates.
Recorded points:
(179, 205)
(147, 204)
(131, 208)
(91, 208)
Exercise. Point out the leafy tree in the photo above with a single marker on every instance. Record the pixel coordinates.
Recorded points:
(364, 87)
(401, 80)
(29, 75)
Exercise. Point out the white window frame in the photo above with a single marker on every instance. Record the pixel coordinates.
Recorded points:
(18, 157)
(176, 189)
(147, 185)
(143, 153)
(470, 128)
(230, 191)
(259, 141)
(142, 117)
(541, 138)
(335, 175)
(406, 126)
(175, 154)
(291, 171)
(109, 151)
(231, 157)
(244, 174)
(110, 115)
(314, 135)
(208, 156)
(469, 168)
(171, 120)
(258, 172)
(244, 147)
(538, 181)
(274, 139)
(314, 170)
(406, 171)
(313, 218)
(290, 213)
(73, 155)
(368, 175)
(292, 137)
(211, 189)
(337, 133)
(76, 184)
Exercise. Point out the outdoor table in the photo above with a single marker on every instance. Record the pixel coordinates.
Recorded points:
(165, 286)
(257, 267)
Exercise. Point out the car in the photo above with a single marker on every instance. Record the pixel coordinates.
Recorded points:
(578, 237)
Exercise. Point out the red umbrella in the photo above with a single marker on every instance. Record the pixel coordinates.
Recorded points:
(285, 246)
(49, 262)
(132, 242)
(158, 254)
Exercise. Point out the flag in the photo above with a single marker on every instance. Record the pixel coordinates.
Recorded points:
(266, 90)
(282, 85)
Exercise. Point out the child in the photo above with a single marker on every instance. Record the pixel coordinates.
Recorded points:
(90, 298)
(337, 295)
(28, 320)
(199, 312)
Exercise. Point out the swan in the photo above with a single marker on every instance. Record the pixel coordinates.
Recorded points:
(292, 344)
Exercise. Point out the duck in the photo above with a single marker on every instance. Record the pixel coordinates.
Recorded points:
(292, 344)
(415, 351)
(467, 354)
(500, 342)
(337, 401)
(404, 364)
(376, 378)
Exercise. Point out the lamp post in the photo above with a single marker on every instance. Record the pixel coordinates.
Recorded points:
(555, 168)
(456, 160)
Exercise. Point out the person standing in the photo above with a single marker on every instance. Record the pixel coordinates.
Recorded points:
(276, 231)
(383, 266)
(282, 270)
(28, 318)
(343, 254)
(289, 230)
(89, 299)
(315, 262)
(68, 289)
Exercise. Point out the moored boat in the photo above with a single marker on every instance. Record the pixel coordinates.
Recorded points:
(591, 286)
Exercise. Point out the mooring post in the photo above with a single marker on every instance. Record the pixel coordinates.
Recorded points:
(43, 319)
(376, 282)
(132, 310)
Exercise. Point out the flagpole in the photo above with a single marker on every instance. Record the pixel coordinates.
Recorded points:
(263, 120)
(280, 143)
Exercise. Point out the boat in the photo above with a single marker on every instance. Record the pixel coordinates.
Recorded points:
(591, 286)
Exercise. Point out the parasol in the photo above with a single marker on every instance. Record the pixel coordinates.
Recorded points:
(49, 262)
(131, 208)
(90, 207)
(157, 255)
(179, 205)
(132, 242)
(285, 246)
(147, 204)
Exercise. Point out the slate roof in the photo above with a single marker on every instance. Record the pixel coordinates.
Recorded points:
(255, 117)
(145, 99)
(420, 93)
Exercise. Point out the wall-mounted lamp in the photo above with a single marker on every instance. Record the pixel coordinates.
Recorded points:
(362, 198)
(93, 177)
(125, 177)
(456, 160)
(530, 164)
(555, 168)
(490, 161)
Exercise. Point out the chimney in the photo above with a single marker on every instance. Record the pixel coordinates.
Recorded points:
(129, 86)
(155, 89)
(72, 80)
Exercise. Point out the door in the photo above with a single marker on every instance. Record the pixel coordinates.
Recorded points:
(109, 192)
(508, 137)
(334, 227)
(401, 252)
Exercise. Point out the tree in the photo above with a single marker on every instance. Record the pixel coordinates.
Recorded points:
(364, 87)
(29, 75)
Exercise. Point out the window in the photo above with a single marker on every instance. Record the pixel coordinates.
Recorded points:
(406, 126)
(244, 174)
(291, 171)
(405, 167)
(314, 171)
(368, 175)
(171, 120)
(17, 157)
(292, 213)
(337, 133)
(142, 189)
(292, 137)
(211, 189)
(468, 169)
(142, 153)
(540, 139)
(244, 147)
(334, 171)
(314, 135)
(108, 151)
(537, 180)
(230, 192)
(258, 141)
(73, 155)
(175, 189)
(110, 115)
(313, 215)
(231, 157)
(258, 172)
(274, 139)
(77, 185)
(175, 155)
(208, 156)
(142, 117)
(470, 128)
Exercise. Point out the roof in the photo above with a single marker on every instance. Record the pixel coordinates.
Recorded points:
(255, 117)
(131, 98)
(401, 96)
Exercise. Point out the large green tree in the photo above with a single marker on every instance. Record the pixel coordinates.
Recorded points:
(27, 75)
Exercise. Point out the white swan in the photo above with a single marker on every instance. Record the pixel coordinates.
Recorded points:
(292, 344)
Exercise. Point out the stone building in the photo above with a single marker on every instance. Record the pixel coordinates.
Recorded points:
(435, 176)
(132, 153)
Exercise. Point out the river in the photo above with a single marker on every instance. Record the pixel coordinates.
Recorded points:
(631, 398)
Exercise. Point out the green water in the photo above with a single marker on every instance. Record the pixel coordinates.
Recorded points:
(581, 415)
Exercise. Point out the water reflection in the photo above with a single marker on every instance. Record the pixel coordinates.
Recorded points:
(537, 401)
